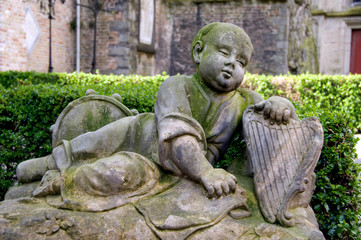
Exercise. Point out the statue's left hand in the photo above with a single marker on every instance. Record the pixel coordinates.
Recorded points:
(277, 109)
(218, 182)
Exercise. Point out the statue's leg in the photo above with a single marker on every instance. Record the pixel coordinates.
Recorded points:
(34, 169)
(123, 172)
(103, 142)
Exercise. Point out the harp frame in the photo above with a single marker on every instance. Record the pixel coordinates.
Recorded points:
(303, 176)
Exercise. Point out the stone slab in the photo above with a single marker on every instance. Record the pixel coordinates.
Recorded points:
(33, 218)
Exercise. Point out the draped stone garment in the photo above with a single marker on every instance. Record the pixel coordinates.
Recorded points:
(114, 165)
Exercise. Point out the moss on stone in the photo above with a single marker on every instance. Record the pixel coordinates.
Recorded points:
(355, 11)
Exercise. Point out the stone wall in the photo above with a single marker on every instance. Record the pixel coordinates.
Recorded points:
(13, 41)
(302, 50)
(334, 5)
(178, 21)
(333, 24)
(112, 38)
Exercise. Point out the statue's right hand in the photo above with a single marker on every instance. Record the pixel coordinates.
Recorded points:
(218, 182)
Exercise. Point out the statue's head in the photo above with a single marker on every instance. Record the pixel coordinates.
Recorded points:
(221, 52)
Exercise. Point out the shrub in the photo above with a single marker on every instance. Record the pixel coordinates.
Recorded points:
(341, 93)
(337, 197)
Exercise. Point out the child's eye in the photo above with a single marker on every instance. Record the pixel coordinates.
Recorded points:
(224, 52)
(240, 61)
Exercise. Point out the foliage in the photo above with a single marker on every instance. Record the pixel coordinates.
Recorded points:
(30, 103)
(337, 197)
(340, 93)
(235, 151)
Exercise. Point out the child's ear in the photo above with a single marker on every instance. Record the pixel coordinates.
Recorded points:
(198, 51)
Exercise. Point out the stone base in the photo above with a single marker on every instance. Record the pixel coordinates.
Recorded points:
(33, 218)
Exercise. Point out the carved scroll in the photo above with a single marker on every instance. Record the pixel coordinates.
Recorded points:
(283, 159)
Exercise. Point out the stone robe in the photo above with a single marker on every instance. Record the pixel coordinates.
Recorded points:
(115, 164)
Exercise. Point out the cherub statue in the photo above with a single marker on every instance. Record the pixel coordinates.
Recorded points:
(194, 120)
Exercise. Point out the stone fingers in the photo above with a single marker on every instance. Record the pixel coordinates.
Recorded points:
(267, 110)
(286, 116)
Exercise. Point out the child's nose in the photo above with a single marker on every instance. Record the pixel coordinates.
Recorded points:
(230, 61)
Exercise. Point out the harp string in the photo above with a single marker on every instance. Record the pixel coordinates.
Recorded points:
(298, 145)
(278, 157)
(303, 145)
(284, 156)
(273, 158)
(267, 194)
(269, 169)
(291, 160)
(288, 157)
(256, 156)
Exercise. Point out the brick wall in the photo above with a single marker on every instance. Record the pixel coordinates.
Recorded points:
(178, 21)
(12, 37)
(13, 53)
(112, 38)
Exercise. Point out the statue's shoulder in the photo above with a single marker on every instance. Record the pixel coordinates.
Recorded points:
(175, 81)
(174, 85)
(250, 96)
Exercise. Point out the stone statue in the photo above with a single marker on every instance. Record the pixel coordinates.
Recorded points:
(163, 163)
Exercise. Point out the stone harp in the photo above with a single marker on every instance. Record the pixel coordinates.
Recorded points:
(283, 158)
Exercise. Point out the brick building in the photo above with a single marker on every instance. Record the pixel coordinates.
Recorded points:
(174, 24)
(151, 36)
(24, 36)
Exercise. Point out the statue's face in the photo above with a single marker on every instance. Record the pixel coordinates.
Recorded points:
(223, 60)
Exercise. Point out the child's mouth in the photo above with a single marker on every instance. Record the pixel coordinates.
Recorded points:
(226, 74)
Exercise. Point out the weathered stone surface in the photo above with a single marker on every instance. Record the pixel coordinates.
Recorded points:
(123, 61)
(33, 218)
(118, 50)
(302, 50)
(119, 26)
(86, 114)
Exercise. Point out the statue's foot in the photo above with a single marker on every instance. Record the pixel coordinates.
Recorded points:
(240, 212)
(49, 185)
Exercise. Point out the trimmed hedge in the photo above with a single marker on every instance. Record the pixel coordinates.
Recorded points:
(340, 93)
(337, 197)
(30, 103)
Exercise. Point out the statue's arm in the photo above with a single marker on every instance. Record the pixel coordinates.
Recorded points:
(189, 158)
(182, 141)
(276, 109)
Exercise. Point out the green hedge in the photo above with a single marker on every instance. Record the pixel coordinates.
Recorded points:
(30, 103)
(340, 93)
(337, 197)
